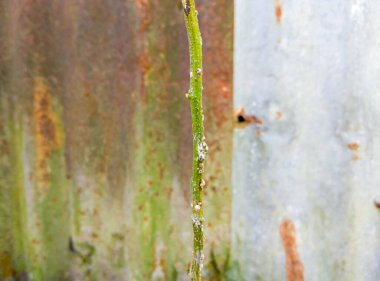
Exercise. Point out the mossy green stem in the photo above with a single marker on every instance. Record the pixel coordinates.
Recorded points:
(199, 145)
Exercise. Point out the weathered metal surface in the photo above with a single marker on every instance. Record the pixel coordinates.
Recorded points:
(95, 139)
(309, 71)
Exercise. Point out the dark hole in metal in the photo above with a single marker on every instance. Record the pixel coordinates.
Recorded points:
(241, 119)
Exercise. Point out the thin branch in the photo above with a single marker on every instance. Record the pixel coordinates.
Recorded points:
(199, 145)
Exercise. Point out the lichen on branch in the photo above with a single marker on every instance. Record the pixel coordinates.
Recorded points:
(199, 145)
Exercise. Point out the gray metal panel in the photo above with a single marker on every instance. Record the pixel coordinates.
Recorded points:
(313, 78)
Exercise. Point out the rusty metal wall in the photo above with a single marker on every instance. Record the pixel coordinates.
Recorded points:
(95, 139)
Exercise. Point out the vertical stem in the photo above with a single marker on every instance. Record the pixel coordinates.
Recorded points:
(199, 145)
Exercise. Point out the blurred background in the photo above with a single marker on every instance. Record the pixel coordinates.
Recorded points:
(96, 143)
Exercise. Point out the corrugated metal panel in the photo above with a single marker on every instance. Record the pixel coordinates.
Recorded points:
(95, 138)
(309, 71)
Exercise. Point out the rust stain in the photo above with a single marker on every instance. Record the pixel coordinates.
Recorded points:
(144, 12)
(169, 191)
(258, 133)
(161, 171)
(217, 61)
(144, 61)
(376, 202)
(278, 115)
(217, 37)
(140, 207)
(353, 146)
(48, 136)
(294, 265)
(278, 11)
(35, 241)
(244, 119)
(6, 269)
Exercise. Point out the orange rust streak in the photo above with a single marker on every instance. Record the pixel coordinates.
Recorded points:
(353, 146)
(278, 11)
(143, 60)
(46, 134)
(143, 10)
(294, 265)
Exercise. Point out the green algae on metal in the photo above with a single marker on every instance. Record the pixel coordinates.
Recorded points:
(14, 242)
(155, 139)
(52, 189)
